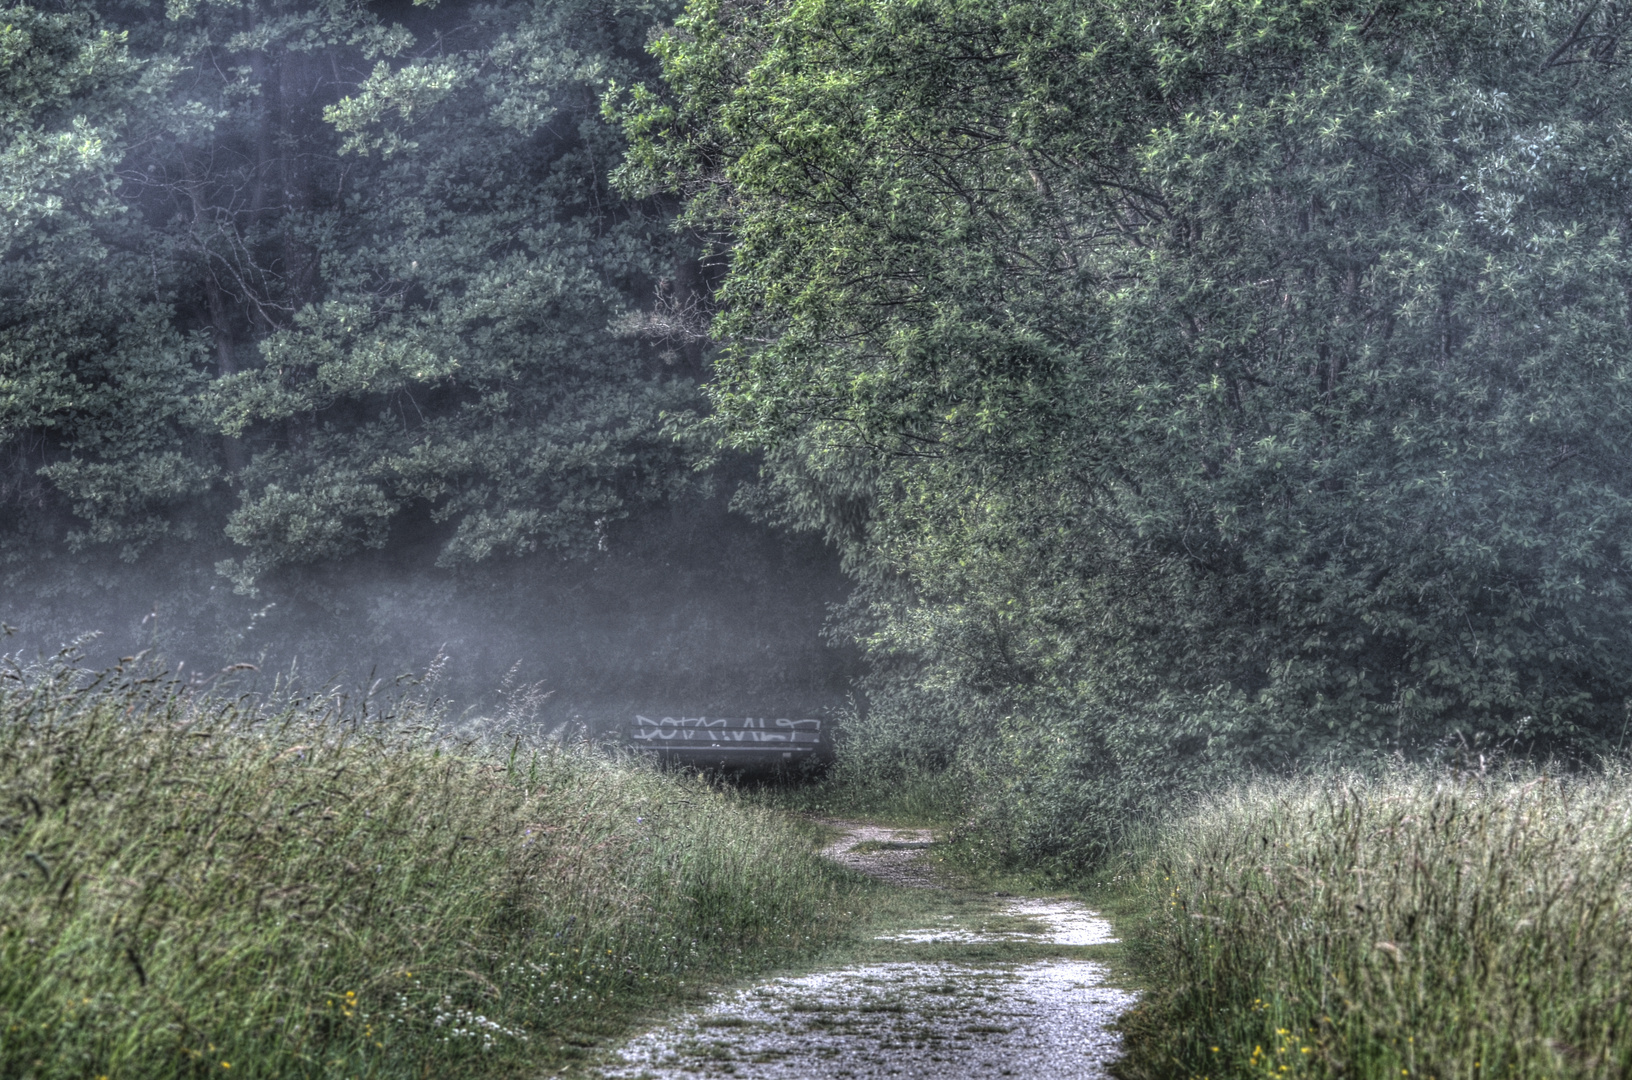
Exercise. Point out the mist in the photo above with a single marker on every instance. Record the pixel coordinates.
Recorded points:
(690, 609)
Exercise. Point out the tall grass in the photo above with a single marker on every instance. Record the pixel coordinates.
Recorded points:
(1419, 925)
(192, 885)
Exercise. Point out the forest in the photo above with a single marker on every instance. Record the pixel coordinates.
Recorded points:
(1184, 388)
(1194, 389)
(326, 342)
(1092, 406)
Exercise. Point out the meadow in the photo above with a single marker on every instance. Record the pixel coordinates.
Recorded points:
(1416, 924)
(194, 883)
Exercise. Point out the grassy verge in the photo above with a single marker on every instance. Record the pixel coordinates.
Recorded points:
(192, 885)
(1420, 925)
(933, 799)
(977, 882)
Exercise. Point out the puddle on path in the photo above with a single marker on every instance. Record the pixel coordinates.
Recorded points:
(1057, 922)
(1046, 1019)
(890, 855)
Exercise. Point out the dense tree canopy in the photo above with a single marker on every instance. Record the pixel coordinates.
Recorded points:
(332, 271)
(1198, 384)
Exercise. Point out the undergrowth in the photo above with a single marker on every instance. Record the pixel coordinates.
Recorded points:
(1418, 925)
(933, 799)
(193, 885)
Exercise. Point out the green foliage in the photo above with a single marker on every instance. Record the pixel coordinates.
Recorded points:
(1421, 924)
(92, 370)
(466, 344)
(319, 887)
(1229, 384)
(292, 276)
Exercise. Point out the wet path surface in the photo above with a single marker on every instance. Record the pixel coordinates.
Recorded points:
(1047, 1015)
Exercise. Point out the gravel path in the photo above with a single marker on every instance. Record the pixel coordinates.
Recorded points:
(1042, 1019)
(892, 855)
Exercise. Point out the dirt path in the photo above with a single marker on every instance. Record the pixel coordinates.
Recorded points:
(985, 987)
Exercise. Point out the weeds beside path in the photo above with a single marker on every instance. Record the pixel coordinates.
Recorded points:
(1419, 925)
(204, 886)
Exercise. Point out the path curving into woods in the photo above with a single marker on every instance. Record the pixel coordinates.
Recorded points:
(987, 986)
